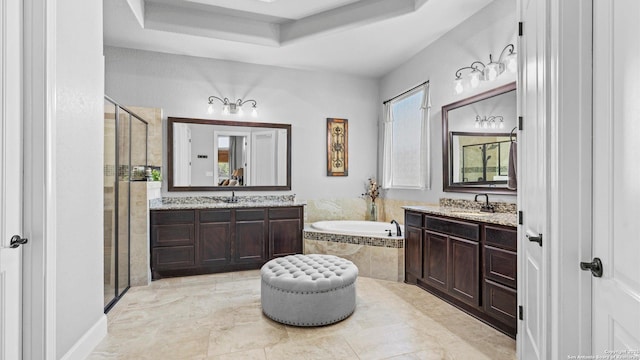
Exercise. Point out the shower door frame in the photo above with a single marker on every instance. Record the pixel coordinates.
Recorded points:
(116, 197)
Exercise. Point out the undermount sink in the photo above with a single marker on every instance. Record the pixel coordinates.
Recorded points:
(469, 213)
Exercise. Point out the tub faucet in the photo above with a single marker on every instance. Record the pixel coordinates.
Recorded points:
(486, 207)
(398, 231)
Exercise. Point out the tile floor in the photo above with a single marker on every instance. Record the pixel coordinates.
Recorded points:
(219, 317)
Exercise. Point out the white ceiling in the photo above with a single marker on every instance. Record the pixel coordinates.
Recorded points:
(360, 37)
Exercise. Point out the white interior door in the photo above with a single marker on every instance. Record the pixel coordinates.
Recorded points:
(616, 170)
(181, 154)
(10, 178)
(263, 161)
(532, 184)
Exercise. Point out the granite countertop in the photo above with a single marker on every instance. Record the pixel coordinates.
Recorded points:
(219, 202)
(500, 218)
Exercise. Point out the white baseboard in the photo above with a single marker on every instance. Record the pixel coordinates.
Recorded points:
(85, 345)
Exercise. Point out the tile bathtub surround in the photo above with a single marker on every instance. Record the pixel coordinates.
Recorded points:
(388, 242)
(378, 262)
(219, 316)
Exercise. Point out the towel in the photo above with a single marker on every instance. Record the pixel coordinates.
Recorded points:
(512, 173)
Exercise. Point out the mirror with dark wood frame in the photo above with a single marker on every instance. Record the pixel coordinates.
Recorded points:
(478, 134)
(219, 155)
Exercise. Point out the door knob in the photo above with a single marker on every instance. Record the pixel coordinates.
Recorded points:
(537, 239)
(595, 266)
(16, 241)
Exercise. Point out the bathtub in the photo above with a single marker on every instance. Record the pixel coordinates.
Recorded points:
(354, 227)
(366, 243)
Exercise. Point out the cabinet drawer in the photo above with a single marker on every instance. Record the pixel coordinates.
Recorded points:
(173, 257)
(172, 235)
(250, 214)
(500, 266)
(215, 216)
(506, 238)
(413, 219)
(284, 213)
(500, 302)
(165, 217)
(461, 229)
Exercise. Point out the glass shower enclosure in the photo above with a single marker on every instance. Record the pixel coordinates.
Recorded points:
(125, 160)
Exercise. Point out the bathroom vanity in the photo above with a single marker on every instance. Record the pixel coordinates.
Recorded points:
(466, 258)
(203, 238)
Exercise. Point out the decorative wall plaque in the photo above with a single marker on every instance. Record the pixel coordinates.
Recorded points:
(337, 147)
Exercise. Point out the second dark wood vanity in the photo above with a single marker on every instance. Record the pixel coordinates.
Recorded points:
(202, 241)
(469, 263)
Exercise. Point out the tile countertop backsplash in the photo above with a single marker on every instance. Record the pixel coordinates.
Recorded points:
(220, 202)
(470, 210)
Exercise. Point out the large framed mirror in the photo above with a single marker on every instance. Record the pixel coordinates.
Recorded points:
(217, 155)
(478, 134)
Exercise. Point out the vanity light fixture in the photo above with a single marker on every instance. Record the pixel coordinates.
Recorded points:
(489, 122)
(489, 72)
(229, 107)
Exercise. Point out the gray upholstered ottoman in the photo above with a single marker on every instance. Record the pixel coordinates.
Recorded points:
(308, 290)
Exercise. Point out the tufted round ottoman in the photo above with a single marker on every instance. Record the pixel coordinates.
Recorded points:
(308, 290)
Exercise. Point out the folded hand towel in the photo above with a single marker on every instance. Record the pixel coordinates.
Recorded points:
(512, 182)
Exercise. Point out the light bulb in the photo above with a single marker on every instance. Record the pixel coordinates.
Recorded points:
(225, 109)
(493, 124)
(240, 112)
(485, 125)
(491, 72)
(210, 109)
(512, 63)
(501, 125)
(474, 78)
(458, 86)
(254, 112)
(477, 125)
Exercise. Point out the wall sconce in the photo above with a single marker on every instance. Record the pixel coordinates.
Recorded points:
(489, 122)
(488, 72)
(229, 107)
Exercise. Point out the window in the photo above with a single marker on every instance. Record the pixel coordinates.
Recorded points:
(405, 148)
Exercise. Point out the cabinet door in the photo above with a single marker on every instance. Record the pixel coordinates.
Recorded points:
(435, 260)
(215, 244)
(285, 237)
(412, 254)
(464, 271)
(250, 242)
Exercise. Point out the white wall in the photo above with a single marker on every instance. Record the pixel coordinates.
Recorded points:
(488, 31)
(79, 103)
(181, 85)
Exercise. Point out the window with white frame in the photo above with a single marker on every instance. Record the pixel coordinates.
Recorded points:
(405, 145)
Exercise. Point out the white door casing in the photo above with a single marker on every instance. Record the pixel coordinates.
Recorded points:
(616, 170)
(532, 338)
(10, 178)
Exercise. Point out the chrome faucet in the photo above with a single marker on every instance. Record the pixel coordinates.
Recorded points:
(486, 207)
(233, 199)
(398, 231)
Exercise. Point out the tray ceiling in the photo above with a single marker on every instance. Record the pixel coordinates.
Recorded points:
(360, 37)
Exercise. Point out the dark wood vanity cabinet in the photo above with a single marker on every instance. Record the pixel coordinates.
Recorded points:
(250, 240)
(285, 227)
(201, 241)
(214, 237)
(173, 236)
(500, 274)
(469, 264)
